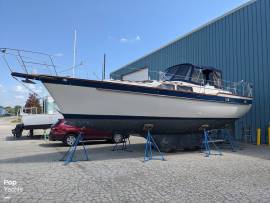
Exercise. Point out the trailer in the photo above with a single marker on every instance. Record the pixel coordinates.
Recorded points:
(33, 122)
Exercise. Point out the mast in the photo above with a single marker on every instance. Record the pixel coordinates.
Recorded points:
(74, 52)
(104, 67)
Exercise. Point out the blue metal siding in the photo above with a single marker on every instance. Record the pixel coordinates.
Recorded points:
(238, 44)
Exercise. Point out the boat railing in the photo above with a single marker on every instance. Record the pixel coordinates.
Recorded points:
(240, 88)
(29, 62)
(32, 62)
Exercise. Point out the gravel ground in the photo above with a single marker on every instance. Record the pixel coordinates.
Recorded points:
(30, 171)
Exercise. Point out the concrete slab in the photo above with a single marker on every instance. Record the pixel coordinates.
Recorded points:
(120, 176)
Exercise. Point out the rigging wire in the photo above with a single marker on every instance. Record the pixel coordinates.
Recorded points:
(70, 68)
(10, 69)
(28, 88)
(5, 60)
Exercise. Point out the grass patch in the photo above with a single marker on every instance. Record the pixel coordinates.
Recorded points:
(17, 120)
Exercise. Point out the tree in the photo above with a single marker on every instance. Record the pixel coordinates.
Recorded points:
(33, 101)
(12, 110)
(9, 110)
(17, 108)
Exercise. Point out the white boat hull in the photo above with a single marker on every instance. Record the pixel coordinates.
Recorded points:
(126, 111)
(40, 119)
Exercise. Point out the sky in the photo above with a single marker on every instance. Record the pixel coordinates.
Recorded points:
(123, 29)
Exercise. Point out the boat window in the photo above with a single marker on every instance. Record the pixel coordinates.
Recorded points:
(178, 73)
(170, 72)
(213, 78)
(216, 77)
(184, 88)
(197, 76)
(166, 86)
(183, 73)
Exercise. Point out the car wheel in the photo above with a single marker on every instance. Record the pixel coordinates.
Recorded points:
(117, 138)
(70, 139)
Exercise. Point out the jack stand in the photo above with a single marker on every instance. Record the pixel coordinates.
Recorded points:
(206, 141)
(227, 136)
(125, 143)
(68, 156)
(148, 146)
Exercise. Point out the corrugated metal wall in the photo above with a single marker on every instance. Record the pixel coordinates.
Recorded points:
(238, 44)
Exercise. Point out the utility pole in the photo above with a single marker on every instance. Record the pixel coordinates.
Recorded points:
(74, 52)
(104, 67)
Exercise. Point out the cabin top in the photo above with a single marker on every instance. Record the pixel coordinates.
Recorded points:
(200, 75)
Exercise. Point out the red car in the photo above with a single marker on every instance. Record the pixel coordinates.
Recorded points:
(63, 131)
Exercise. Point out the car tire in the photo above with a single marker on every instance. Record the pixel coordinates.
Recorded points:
(117, 138)
(70, 139)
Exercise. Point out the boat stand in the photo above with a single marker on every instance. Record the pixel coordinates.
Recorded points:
(125, 145)
(228, 137)
(68, 156)
(148, 155)
(207, 141)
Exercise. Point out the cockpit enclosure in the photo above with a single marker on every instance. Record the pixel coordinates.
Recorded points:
(200, 75)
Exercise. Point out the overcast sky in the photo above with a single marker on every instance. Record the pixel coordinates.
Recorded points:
(124, 30)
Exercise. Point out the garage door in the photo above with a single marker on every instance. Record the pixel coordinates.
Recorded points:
(139, 75)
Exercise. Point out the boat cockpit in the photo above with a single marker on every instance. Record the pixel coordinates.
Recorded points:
(199, 75)
(198, 79)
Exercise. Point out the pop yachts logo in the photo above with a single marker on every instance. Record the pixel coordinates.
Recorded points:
(11, 186)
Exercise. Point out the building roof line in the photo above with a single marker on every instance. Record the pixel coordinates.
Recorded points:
(189, 33)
